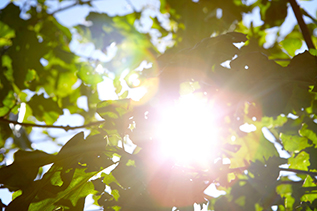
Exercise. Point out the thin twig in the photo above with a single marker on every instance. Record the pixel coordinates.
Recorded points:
(281, 60)
(70, 6)
(302, 24)
(66, 128)
(131, 5)
(309, 16)
(313, 174)
(64, 8)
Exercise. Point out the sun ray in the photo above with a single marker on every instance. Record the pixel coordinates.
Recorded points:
(187, 131)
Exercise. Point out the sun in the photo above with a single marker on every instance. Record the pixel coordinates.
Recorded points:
(187, 131)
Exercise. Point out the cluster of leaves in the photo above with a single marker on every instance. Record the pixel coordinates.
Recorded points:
(259, 86)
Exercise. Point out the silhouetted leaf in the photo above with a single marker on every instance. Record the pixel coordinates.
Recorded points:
(21, 173)
(78, 188)
(114, 108)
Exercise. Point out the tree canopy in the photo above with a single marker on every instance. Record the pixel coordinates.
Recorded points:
(223, 104)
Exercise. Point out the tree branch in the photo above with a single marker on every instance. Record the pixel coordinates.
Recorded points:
(64, 8)
(302, 24)
(308, 15)
(66, 128)
(131, 5)
(78, 2)
(313, 174)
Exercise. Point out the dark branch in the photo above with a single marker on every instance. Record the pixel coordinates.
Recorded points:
(78, 2)
(313, 174)
(65, 8)
(66, 128)
(309, 16)
(281, 60)
(302, 24)
(131, 5)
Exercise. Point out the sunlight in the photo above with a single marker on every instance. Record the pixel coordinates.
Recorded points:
(134, 80)
(187, 131)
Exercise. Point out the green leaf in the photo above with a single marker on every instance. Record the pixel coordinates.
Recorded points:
(130, 163)
(124, 95)
(285, 190)
(291, 45)
(88, 75)
(188, 87)
(6, 34)
(10, 100)
(108, 179)
(115, 194)
(299, 161)
(270, 122)
(45, 109)
(114, 140)
(305, 132)
(294, 143)
(313, 52)
(312, 157)
(157, 25)
(65, 83)
(16, 194)
(254, 146)
(117, 85)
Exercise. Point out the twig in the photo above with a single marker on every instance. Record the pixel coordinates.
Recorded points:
(131, 5)
(302, 24)
(276, 138)
(66, 128)
(309, 16)
(313, 174)
(64, 8)
(70, 6)
(281, 60)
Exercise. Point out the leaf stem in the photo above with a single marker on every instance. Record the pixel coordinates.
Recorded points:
(302, 24)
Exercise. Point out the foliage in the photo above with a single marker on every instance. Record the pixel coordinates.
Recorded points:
(213, 54)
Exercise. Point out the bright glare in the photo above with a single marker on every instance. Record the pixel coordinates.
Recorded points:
(100, 69)
(187, 131)
(134, 80)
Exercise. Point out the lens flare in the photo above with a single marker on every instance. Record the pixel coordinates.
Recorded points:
(187, 131)
(134, 80)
